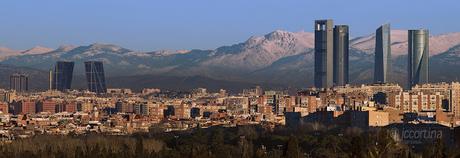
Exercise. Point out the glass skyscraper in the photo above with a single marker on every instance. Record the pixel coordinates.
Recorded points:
(341, 48)
(382, 65)
(61, 78)
(418, 57)
(95, 76)
(323, 53)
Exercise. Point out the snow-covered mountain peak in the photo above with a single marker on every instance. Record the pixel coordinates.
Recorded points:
(107, 48)
(65, 48)
(37, 50)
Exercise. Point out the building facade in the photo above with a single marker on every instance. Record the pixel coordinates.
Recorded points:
(323, 53)
(341, 48)
(382, 67)
(70, 107)
(418, 57)
(417, 101)
(61, 77)
(19, 82)
(4, 107)
(48, 106)
(95, 76)
(24, 107)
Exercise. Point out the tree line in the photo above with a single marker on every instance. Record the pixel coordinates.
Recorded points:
(310, 140)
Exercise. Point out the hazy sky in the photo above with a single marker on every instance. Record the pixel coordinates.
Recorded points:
(204, 24)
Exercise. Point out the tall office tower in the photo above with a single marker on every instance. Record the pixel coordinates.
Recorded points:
(418, 57)
(341, 47)
(95, 76)
(62, 76)
(382, 67)
(323, 53)
(19, 82)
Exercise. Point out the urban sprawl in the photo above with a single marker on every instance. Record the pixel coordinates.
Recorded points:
(420, 110)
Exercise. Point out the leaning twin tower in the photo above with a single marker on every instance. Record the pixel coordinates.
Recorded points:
(61, 76)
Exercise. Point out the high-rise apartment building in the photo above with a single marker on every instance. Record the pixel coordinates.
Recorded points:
(19, 82)
(122, 107)
(141, 109)
(416, 101)
(382, 64)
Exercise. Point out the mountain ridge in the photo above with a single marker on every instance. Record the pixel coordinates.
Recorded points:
(278, 57)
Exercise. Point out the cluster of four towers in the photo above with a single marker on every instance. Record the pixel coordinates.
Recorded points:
(332, 55)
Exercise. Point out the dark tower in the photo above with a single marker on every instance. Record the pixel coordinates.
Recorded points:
(418, 57)
(95, 76)
(62, 75)
(341, 47)
(323, 54)
(19, 82)
(382, 67)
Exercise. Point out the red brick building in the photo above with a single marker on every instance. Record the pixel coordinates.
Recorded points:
(24, 107)
(47, 106)
(70, 107)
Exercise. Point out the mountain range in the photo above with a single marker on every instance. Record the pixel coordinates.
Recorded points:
(279, 59)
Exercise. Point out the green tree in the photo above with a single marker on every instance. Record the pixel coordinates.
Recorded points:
(292, 148)
(79, 152)
(261, 153)
(435, 150)
(382, 145)
(140, 148)
(246, 148)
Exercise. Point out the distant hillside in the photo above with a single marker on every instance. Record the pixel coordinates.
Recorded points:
(277, 58)
(38, 79)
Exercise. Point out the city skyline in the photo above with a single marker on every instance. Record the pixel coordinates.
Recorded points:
(331, 46)
(211, 79)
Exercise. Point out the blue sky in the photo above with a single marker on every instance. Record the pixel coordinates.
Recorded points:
(204, 24)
